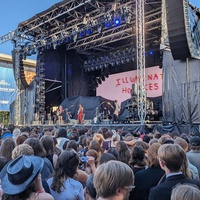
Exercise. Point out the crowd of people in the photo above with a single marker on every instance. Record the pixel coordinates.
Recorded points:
(81, 164)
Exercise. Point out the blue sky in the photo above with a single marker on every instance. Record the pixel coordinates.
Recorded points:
(13, 12)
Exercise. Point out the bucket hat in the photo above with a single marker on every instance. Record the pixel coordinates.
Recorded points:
(19, 173)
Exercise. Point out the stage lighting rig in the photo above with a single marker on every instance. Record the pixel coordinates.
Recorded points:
(120, 56)
(90, 25)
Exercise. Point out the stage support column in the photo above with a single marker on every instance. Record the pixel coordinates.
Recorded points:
(140, 44)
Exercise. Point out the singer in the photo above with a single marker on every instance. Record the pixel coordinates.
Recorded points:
(80, 114)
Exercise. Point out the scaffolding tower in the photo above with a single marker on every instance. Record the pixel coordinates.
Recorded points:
(140, 47)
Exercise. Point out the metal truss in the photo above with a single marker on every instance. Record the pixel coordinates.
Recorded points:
(164, 34)
(124, 31)
(38, 31)
(7, 37)
(17, 104)
(40, 89)
(51, 17)
(140, 47)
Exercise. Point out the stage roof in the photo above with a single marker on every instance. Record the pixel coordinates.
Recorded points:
(61, 19)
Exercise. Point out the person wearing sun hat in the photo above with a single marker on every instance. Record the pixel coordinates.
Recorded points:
(21, 179)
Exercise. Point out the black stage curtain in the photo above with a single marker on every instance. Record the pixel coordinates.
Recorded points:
(89, 103)
(181, 90)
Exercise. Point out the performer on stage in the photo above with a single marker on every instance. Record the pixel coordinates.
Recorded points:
(116, 111)
(60, 113)
(80, 114)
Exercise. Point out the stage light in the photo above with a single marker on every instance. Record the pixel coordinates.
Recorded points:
(65, 33)
(59, 42)
(75, 38)
(99, 28)
(43, 42)
(81, 34)
(117, 21)
(108, 24)
(85, 19)
(151, 53)
(54, 38)
(108, 19)
(67, 39)
(54, 46)
(88, 31)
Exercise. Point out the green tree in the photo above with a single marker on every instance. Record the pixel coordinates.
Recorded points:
(4, 117)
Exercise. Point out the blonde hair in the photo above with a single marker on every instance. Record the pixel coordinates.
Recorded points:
(99, 138)
(173, 156)
(22, 149)
(180, 141)
(185, 192)
(110, 176)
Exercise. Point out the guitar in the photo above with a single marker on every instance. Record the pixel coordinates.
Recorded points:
(61, 111)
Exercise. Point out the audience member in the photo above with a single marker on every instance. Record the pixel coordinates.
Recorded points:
(113, 180)
(124, 153)
(90, 192)
(137, 161)
(39, 150)
(62, 184)
(22, 149)
(16, 133)
(194, 171)
(185, 192)
(7, 147)
(148, 178)
(21, 179)
(20, 139)
(105, 157)
(114, 152)
(194, 154)
(48, 144)
(171, 157)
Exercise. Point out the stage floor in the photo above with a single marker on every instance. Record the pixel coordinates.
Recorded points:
(148, 127)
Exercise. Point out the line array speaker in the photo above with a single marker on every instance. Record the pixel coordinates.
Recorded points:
(176, 17)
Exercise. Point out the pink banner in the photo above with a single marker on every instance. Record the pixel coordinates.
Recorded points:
(118, 86)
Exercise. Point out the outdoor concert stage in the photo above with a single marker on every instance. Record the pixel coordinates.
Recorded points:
(81, 48)
(148, 127)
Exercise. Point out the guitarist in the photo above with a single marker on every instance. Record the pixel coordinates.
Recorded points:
(60, 113)
(80, 114)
